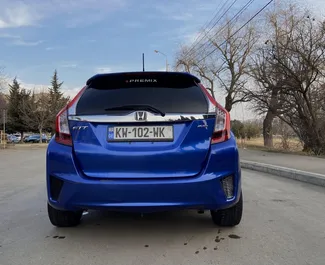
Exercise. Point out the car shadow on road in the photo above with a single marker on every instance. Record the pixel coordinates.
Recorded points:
(147, 222)
(135, 228)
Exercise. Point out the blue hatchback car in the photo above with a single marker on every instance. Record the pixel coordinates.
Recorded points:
(143, 142)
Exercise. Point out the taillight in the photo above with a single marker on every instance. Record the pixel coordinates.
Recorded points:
(62, 131)
(221, 130)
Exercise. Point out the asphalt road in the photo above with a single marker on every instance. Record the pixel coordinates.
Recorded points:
(283, 223)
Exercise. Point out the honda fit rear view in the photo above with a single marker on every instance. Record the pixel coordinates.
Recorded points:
(143, 142)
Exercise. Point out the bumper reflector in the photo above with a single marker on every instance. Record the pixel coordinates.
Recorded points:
(228, 186)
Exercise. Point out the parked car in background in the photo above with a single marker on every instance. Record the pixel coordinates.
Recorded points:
(13, 139)
(18, 136)
(35, 139)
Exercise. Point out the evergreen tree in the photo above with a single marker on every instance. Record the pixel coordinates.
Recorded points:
(15, 117)
(55, 89)
(57, 100)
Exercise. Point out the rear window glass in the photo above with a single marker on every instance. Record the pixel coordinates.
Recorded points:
(170, 95)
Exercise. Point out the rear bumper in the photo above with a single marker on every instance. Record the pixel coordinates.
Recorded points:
(68, 189)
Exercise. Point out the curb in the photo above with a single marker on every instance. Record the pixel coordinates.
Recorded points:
(308, 177)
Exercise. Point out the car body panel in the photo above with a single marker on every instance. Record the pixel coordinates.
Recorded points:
(203, 191)
(183, 157)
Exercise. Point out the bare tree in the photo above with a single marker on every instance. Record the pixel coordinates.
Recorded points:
(3, 102)
(290, 73)
(222, 60)
(35, 109)
(2, 87)
(229, 63)
(187, 60)
(3, 99)
(304, 98)
(3, 107)
(265, 69)
(183, 60)
(3, 79)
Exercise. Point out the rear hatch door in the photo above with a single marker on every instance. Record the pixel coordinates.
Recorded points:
(142, 125)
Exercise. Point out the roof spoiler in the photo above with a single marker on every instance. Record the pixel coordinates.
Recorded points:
(122, 75)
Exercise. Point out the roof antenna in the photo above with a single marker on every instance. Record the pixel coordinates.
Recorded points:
(143, 61)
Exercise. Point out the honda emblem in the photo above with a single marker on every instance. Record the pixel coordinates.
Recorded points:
(140, 116)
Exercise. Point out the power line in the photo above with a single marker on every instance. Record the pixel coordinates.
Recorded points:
(228, 23)
(241, 11)
(209, 21)
(205, 33)
(244, 25)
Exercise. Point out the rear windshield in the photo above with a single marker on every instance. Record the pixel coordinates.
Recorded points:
(172, 95)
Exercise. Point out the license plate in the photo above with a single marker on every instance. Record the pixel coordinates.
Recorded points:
(141, 133)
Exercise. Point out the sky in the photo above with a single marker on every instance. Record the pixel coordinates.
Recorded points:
(80, 38)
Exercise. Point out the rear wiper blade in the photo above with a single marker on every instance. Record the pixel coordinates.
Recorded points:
(138, 107)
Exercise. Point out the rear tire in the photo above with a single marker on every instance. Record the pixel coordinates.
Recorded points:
(229, 217)
(63, 218)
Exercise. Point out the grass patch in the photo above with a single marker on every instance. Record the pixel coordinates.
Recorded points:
(291, 145)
